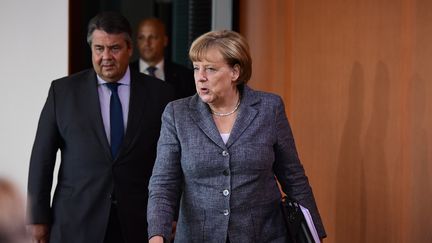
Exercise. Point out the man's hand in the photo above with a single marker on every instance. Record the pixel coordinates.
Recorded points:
(39, 233)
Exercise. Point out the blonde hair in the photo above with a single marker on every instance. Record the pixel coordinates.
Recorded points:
(233, 47)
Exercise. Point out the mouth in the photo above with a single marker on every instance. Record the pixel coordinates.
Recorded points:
(107, 66)
(204, 90)
(147, 51)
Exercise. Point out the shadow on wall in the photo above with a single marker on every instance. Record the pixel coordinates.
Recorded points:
(350, 200)
(421, 194)
(362, 203)
(376, 171)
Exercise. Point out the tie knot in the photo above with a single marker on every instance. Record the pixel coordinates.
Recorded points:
(113, 86)
(152, 70)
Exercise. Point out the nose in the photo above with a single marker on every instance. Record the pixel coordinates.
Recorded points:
(148, 42)
(200, 75)
(106, 54)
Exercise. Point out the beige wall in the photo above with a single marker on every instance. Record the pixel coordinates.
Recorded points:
(356, 79)
(33, 52)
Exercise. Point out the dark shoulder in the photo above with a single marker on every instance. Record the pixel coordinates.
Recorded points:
(178, 69)
(147, 80)
(85, 74)
(152, 85)
(134, 65)
(181, 77)
(75, 80)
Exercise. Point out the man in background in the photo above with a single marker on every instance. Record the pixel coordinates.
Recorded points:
(151, 42)
(106, 122)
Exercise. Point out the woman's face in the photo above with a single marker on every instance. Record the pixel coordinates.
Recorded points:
(215, 80)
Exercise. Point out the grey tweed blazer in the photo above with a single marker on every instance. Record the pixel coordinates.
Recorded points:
(226, 190)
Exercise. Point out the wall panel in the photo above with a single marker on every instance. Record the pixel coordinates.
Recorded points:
(355, 76)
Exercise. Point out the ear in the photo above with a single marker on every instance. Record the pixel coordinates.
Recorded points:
(165, 40)
(129, 47)
(235, 72)
(130, 51)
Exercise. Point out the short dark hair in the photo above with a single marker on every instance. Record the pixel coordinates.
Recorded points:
(112, 23)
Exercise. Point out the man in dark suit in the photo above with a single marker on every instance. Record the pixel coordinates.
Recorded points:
(151, 42)
(106, 122)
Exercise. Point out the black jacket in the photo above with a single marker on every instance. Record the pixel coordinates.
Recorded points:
(71, 122)
(180, 77)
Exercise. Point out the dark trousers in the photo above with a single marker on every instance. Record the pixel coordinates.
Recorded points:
(113, 232)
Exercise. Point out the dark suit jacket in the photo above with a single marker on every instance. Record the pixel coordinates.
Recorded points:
(180, 77)
(88, 176)
(226, 189)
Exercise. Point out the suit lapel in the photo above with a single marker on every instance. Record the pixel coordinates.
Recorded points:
(202, 117)
(245, 116)
(90, 93)
(137, 105)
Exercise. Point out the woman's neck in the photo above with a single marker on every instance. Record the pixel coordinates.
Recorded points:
(227, 105)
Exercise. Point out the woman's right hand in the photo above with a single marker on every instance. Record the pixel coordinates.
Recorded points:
(156, 239)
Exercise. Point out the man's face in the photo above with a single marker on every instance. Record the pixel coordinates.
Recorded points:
(110, 55)
(151, 41)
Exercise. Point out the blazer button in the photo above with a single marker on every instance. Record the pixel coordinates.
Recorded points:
(226, 212)
(225, 192)
(225, 172)
(225, 153)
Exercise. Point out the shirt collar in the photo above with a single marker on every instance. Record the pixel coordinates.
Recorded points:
(143, 65)
(125, 80)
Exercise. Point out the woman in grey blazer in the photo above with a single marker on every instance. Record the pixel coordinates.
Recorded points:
(220, 153)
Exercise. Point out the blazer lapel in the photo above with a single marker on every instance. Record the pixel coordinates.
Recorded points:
(202, 117)
(246, 115)
(90, 93)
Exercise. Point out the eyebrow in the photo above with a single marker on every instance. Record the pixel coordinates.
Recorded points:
(109, 47)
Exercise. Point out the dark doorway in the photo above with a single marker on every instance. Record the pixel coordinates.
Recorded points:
(81, 11)
(184, 19)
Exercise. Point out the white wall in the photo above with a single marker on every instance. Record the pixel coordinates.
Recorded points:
(33, 52)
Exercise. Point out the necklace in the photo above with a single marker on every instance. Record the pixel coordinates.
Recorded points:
(228, 113)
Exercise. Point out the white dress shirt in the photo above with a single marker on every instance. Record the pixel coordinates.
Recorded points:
(159, 71)
(104, 100)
